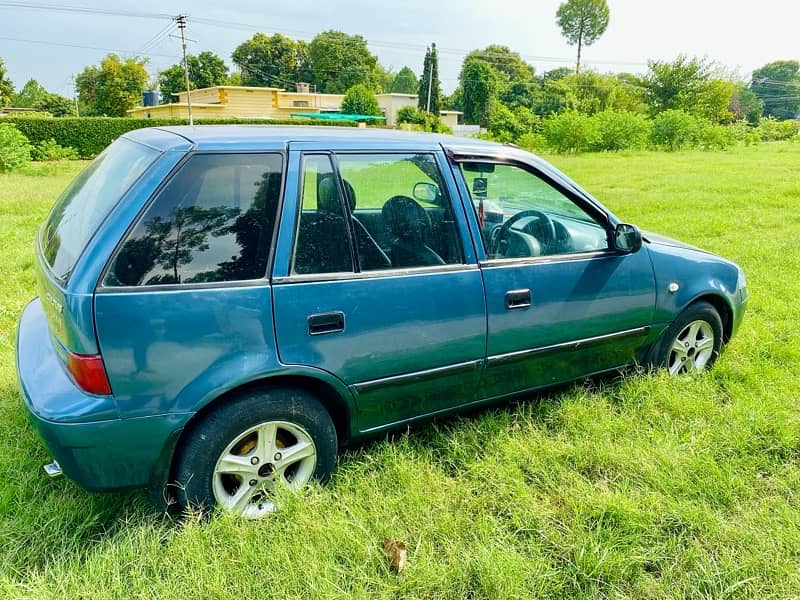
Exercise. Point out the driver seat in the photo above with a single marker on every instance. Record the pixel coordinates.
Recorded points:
(410, 227)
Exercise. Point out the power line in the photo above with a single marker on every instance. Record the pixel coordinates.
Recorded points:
(84, 10)
(98, 48)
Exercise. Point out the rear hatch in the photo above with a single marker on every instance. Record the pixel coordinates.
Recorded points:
(74, 220)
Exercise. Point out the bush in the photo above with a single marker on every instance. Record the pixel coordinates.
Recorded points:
(49, 150)
(571, 132)
(15, 150)
(412, 115)
(771, 130)
(718, 137)
(675, 129)
(90, 135)
(506, 125)
(360, 100)
(621, 130)
(532, 142)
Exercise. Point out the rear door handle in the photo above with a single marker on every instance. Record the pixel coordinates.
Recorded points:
(331, 322)
(518, 299)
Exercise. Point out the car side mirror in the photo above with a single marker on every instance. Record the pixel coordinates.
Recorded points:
(426, 192)
(627, 238)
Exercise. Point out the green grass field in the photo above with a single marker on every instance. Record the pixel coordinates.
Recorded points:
(647, 487)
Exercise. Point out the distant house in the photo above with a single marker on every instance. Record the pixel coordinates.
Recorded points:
(242, 102)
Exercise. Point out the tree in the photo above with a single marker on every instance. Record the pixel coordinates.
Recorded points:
(114, 87)
(430, 89)
(515, 78)
(746, 105)
(479, 82)
(777, 85)
(205, 70)
(6, 87)
(269, 60)
(29, 95)
(339, 61)
(582, 22)
(56, 105)
(360, 100)
(405, 82)
(688, 85)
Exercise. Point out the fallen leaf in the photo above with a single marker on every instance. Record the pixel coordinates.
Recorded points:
(397, 553)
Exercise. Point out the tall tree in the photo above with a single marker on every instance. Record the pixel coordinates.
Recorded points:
(205, 70)
(515, 77)
(479, 85)
(692, 85)
(405, 82)
(430, 88)
(6, 87)
(746, 105)
(112, 88)
(268, 60)
(582, 22)
(339, 61)
(29, 95)
(777, 85)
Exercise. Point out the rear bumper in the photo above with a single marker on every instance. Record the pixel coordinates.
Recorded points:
(96, 449)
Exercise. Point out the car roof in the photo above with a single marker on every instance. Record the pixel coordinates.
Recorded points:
(253, 137)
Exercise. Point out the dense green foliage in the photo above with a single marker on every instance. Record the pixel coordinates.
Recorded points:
(50, 150)
(674, 129)
(479, 83)
(34, 95)
(777, 85)
(205, 70)
(582, 22)
(646, 487)
(89, 135)
(113, 87)
(360, 100)
(6, 87)
(339, 61)
(15, 148)
(429, 94)
(420, 120)
(31, 93)
(271, 60)
(405, 82)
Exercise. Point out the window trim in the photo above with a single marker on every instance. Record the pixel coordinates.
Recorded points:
(101, 288)
(299, 214)
(591, 208)
(357, 273)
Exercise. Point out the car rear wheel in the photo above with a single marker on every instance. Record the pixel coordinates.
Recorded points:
(238, 454)
(693, 342)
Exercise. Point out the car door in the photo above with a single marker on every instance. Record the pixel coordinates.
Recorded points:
(385, 302)
(561, 304)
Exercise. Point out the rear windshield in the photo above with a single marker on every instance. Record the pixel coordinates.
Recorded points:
(87, 201)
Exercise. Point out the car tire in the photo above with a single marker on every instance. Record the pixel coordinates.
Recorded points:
(235, 455)
(692, 342)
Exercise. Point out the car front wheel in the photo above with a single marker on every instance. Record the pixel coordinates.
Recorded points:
(235, 456)
(693, 342)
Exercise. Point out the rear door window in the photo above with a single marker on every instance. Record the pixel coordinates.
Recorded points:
(213, 221)
(87, 201)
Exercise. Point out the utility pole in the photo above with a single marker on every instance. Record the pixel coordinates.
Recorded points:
(75, 96)
(181, 20)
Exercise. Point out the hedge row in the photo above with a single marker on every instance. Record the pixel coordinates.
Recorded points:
(90, 135)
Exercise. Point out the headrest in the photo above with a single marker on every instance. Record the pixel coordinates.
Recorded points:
(406, 219)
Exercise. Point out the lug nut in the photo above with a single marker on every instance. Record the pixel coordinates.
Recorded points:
(277, 456)
(253, 482)
(254, 460)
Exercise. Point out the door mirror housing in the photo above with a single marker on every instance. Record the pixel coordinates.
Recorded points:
(627, 238)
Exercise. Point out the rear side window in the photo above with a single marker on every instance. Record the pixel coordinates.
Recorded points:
(213, 221)
(87, 201)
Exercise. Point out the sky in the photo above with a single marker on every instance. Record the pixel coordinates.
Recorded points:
(741, 36)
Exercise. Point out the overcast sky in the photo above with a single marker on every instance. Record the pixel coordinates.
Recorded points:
(741, 36)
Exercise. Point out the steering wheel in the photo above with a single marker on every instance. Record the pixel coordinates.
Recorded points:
(498, 241)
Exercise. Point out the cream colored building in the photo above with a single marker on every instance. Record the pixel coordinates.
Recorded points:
(241, 102)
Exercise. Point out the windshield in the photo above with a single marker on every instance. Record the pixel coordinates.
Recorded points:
(87, 201)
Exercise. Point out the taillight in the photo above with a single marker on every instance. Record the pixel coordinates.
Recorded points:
(89, 373)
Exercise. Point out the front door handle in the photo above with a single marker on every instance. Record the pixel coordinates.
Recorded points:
(518, 299)
(331, 322)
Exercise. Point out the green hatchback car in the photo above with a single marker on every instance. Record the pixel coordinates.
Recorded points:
(220, 309)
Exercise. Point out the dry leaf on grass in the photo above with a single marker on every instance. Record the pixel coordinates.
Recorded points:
(397, 553)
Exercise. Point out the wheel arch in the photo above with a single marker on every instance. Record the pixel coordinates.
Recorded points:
(722, 307)
(339, 407)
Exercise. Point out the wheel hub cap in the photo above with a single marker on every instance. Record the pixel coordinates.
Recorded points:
(692, 348)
